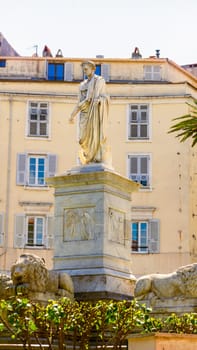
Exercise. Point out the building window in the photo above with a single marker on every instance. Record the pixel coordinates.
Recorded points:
(33, 231)
(140, 237)
(139, 169)
(138, 122)
(56, 71)
(32, 169)
(2, 63)
(38, 123)
(152, 72)
(145, 236)
(98, 69)
(36, 171)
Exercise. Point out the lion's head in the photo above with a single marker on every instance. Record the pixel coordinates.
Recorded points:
(30, 269)
(188, 276)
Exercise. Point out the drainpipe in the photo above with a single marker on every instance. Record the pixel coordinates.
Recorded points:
(7, 200)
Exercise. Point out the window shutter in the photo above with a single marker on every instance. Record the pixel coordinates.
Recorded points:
(1, 229)
(133, 168)
(68, 71)
(21, 168)
(153, 237)
(19, 235)
(133, 165)
(147, 72)
(105, 71)
(143, 165)
(52, 164)
(49, 239)
(144, 170)
(152, 72)
(157, 73)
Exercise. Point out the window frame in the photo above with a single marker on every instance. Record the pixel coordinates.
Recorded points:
(2, 63)
(140, 248)
(151, 73)
(37, 165)
(35, 230)
(139, 176)
(139, 123)
(152, 236)
(56, 76)
(20, 230)
(98, 69)
(38, 122)
(22, 169)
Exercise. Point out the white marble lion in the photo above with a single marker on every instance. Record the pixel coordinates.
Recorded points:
(30, 274)
(181, 283)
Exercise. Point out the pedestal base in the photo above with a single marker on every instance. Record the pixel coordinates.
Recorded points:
(166, 307)
(92, 231)
(104, 286)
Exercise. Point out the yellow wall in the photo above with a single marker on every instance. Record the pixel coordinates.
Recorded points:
(173, 169)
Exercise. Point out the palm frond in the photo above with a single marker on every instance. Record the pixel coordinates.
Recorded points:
(186, 127)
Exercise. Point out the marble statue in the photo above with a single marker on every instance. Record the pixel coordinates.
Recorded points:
(181, 283)
(6, 286)
(30, 275)
(93, 107)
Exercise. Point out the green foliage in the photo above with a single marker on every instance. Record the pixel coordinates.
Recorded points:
(186, 323)
(187, 125)
(65, 322)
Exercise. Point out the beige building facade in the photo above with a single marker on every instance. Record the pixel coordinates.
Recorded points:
(37, 95)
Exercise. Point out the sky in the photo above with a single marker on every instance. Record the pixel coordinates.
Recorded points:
(113, 28)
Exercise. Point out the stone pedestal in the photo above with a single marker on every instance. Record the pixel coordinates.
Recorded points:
(92, 231)
(165, 307)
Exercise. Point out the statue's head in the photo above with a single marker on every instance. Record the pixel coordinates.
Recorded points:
(89, 64)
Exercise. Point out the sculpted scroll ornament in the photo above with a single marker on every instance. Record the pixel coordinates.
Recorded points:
(181, 283)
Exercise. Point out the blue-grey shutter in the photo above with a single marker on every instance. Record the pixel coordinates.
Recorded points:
(105, 71)
(144, 170)
(1, 229)
(51, 165)
(68, 71)
(19, 234)
(49, 238)
(133, 168)
(153, 236)
(21, 168)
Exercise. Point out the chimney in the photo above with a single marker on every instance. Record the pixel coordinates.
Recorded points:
(157, 53)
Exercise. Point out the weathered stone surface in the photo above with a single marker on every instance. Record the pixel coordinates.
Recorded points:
(92, 229)
(6, 286)
(104, 286)
(173, 292)
(168, 306)
(180, 283)
(31, 277)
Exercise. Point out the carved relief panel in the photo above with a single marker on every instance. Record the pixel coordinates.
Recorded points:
(79, 224)
(116, 226)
